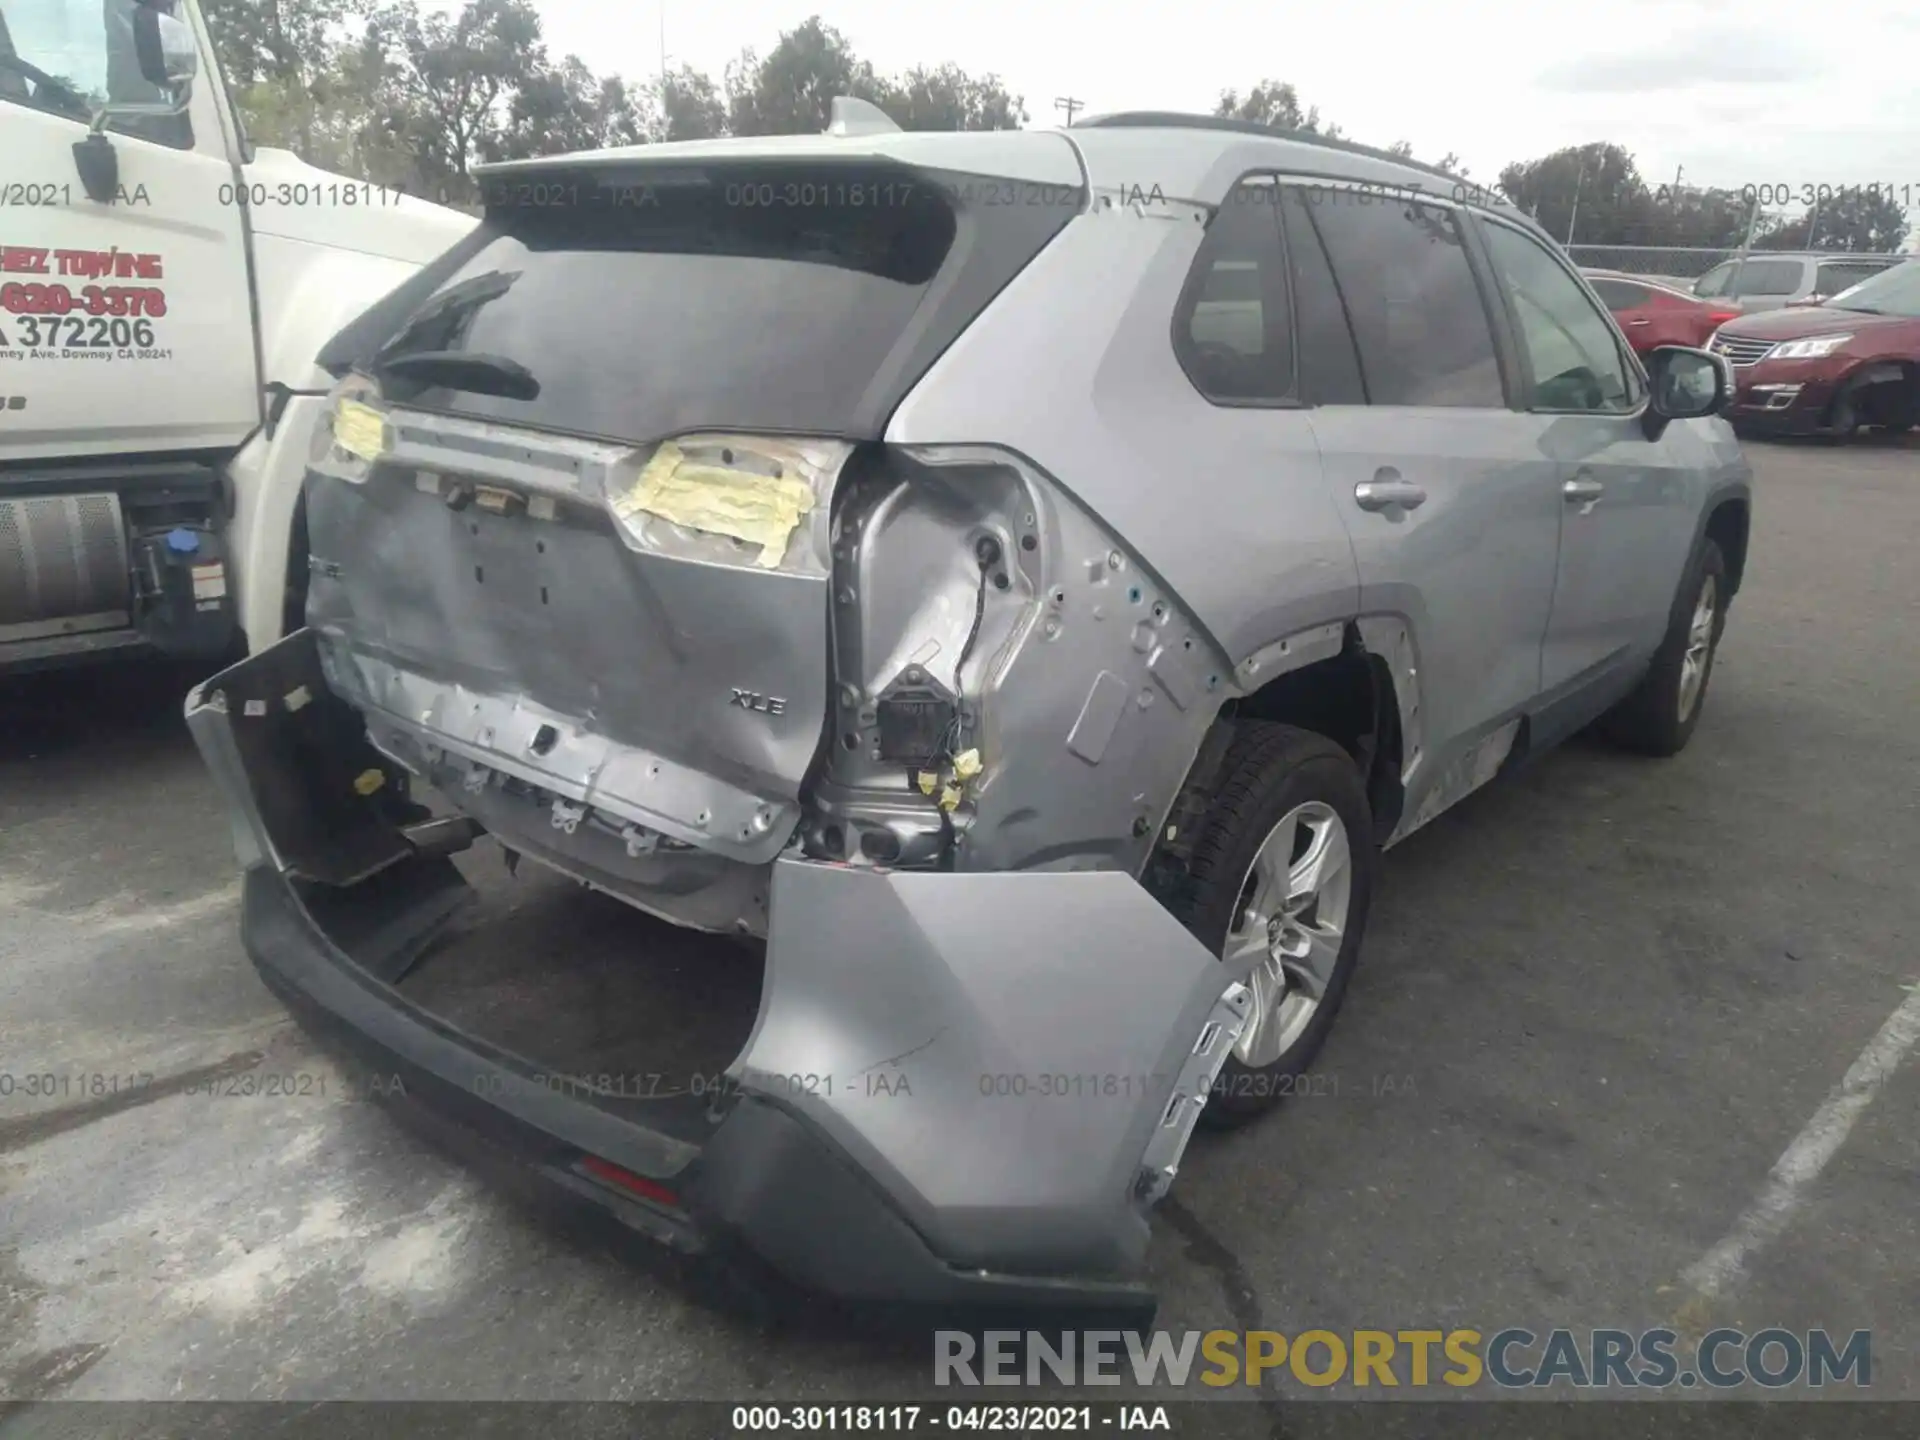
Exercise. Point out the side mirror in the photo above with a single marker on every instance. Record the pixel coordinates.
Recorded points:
(164, 47)
(1686, 384)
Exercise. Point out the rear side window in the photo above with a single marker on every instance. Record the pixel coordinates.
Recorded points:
(1231, 330)
(1422, 329)
(1618, 295)
(796, 299)
(1767, 277)
(1329, 364)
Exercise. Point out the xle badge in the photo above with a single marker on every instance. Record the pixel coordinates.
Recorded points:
(765, 704)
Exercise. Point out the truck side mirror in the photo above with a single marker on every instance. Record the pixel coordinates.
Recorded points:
(164, 47)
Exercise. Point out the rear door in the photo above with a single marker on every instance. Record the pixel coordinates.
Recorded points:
(1623, 499)
(1450, 504)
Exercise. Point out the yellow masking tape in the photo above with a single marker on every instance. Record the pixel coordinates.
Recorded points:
(763, 510)
(360, 430)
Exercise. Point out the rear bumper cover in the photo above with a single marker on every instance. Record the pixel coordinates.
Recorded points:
(961, 1089)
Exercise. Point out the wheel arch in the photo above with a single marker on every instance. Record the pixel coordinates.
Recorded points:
(1351, 697)
(1728, 526)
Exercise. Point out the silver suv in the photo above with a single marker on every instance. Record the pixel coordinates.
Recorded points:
(1027, 579)
(1772, 281)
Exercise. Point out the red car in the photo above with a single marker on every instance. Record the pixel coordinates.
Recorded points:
(1650, 314)
(1830, 369)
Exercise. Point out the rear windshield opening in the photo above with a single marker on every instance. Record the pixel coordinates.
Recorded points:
(775, 298)
(890, 228)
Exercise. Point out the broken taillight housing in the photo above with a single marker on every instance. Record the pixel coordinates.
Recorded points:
(753, 501)
(352, 433)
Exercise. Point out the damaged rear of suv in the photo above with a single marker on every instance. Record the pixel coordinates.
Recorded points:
(825, 541)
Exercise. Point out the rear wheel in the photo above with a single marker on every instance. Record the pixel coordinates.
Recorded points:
(1281, 880)
(1658, 718)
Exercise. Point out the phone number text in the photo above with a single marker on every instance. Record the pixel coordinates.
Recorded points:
(18, 298)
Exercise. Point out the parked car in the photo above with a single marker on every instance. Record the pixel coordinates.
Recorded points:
(903, 548)
(1651, 315)
(1830, 369)
(1772, 281)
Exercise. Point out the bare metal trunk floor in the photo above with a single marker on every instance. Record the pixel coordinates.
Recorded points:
(601, 997)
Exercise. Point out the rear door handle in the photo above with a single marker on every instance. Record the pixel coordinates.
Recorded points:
(1639, 322)
(1384, 494)
(1582, 489)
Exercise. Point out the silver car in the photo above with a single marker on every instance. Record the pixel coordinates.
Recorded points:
(1025, 578)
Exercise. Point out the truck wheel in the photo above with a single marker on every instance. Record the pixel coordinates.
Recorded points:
(1282, 876)
(1659, 716)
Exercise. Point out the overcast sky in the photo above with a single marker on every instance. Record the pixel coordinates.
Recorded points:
(1762, 91)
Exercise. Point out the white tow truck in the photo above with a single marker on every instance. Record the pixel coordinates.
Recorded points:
(164, 289)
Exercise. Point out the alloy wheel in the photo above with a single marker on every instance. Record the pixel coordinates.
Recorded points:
(1290, 925)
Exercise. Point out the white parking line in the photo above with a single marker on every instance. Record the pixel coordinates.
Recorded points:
(1801, 1163)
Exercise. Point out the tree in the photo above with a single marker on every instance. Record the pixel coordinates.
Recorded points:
(1860, 220)
(945, 97)
(1275, 104)
(791, 92)
(1402, 148)
(565, 108)
(1592, 192)
(282, 59)
(686, 105)
(448, 82)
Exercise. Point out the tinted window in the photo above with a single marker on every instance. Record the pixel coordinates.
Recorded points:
(1768, 277)
(1402, 268)
(647, 308)
(1231, 331)
(1714, 282)
(1619, 295)
(1891, 292)
(1329, 365)
(1571, 353)
(1832, 279)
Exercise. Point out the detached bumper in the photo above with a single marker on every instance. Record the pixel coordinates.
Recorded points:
(961, 1089)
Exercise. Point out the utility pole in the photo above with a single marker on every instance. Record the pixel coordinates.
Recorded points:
(1572, 219)
(1070, 105)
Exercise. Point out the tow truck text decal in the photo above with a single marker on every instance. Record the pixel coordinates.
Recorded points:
(50, 319)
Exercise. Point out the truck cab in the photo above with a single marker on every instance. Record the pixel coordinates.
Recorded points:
(164, 288)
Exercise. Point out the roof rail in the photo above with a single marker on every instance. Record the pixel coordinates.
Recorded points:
(1178, 120)
(853, 116)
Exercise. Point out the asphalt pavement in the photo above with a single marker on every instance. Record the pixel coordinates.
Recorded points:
(1598, 1005)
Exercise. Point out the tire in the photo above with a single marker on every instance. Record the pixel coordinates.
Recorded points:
(1275, 773)
(1658, 718)
(1843, 417)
